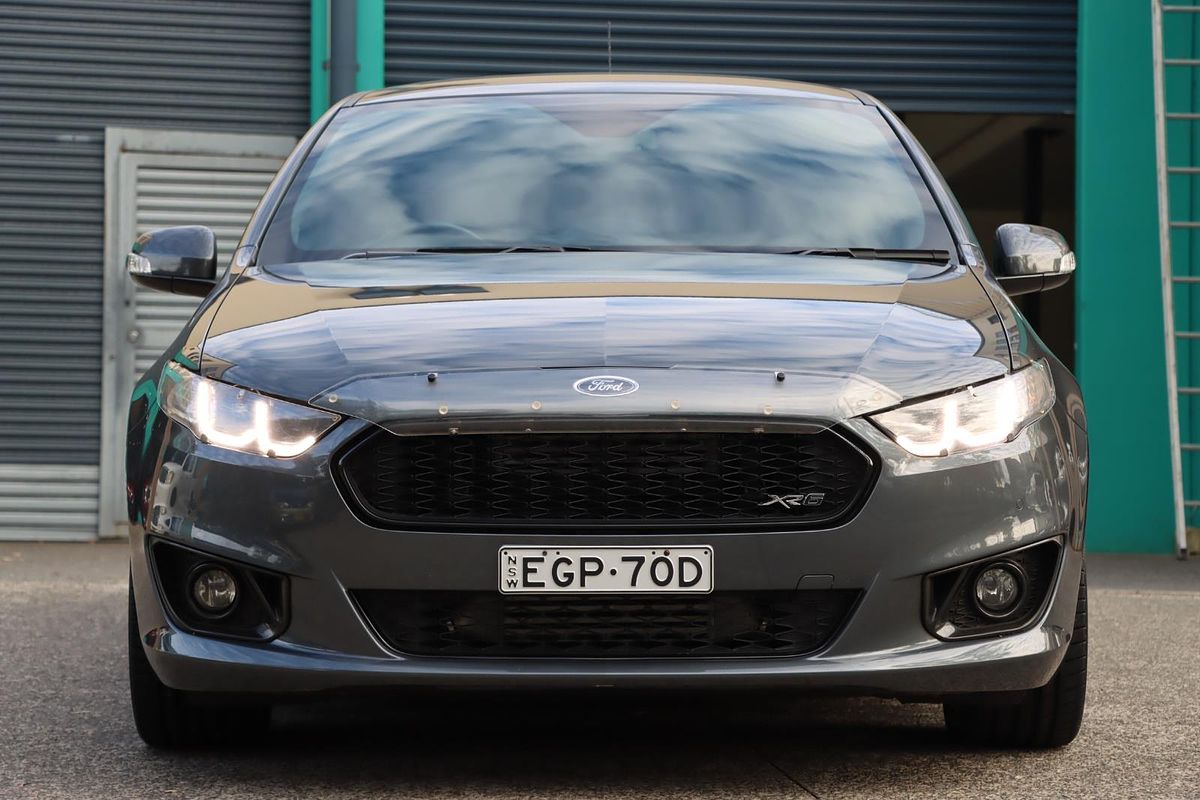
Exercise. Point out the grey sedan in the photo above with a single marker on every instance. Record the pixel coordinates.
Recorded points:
(608, 381)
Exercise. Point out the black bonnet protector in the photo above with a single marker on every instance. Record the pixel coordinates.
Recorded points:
(545, 340)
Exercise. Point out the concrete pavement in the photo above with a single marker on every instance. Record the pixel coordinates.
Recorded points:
(66, 729)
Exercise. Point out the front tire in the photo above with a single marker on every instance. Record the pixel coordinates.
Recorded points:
(168, 718)
(1040, 718)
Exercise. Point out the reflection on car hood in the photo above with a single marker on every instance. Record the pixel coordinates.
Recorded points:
(701, 333)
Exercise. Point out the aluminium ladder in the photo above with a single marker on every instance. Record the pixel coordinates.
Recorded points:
(1166, 224)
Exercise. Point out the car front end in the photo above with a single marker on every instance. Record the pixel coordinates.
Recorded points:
(539, 466)
(836, 608)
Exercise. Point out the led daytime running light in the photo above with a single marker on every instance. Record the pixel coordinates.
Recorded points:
(204, 412)
(238, 419)
(973, 418)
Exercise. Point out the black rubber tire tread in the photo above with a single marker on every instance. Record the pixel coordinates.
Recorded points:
(1041, 718)
(167, 718)
(153, 704)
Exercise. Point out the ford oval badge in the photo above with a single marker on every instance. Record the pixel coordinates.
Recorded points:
(606, 386)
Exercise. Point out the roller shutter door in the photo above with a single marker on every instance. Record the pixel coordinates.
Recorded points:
(68, 68)
(995, 56)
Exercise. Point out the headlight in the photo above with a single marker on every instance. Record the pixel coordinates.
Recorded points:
(975, 417)
(238, 419)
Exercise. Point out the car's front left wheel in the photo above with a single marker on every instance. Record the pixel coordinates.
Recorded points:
(167, 717)
(1039, 718)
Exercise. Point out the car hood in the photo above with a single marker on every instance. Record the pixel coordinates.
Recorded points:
(804, 338)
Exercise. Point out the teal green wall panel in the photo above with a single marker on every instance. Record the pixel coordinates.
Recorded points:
(318, 59)
(369, 42)
(1119, 328)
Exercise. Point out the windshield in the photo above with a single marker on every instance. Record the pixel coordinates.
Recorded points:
(605, 170)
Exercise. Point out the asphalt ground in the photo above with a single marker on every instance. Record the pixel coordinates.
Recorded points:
(66, 729)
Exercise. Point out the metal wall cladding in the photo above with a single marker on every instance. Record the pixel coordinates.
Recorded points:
(68, 68)
(996, 56)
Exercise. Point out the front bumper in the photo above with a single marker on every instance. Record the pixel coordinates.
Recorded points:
(924, 515)
(1019, 661)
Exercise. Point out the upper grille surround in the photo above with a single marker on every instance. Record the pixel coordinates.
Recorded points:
(705, 480)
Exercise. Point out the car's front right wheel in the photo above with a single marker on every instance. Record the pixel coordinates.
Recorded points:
(1039, 718)
(167, 717)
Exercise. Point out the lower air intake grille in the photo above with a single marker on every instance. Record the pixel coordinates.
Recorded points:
(579, 480)
(782, 623)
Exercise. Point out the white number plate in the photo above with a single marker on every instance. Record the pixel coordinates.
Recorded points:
(605, 570)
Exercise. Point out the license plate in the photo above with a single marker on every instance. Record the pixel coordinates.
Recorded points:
(605, 570)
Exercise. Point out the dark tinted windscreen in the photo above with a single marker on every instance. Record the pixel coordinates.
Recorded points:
(601, 170)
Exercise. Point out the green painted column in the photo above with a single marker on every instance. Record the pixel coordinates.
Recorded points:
(368, 41)
(1119, 327)
(369, 35)
(318, 59)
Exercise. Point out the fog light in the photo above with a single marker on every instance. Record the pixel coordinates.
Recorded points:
(998, 589)
(214, 589)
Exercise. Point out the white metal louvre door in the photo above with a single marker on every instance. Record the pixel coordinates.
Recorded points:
(150, 189)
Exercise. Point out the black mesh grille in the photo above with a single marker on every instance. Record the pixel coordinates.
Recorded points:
(573, 626)
(608, 478)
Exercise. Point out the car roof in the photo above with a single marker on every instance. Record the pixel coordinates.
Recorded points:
(646, 82)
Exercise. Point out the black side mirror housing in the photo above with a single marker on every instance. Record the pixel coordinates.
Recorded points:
(181, 260)
(1030, 258)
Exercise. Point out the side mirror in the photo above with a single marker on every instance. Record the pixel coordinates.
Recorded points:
(181, 260)
(1030, 258)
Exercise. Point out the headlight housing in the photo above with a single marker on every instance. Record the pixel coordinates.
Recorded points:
(974, 417)
(238, 419)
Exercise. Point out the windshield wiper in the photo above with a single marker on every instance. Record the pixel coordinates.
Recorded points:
(881, 254)
(515, 248)
(547, 248)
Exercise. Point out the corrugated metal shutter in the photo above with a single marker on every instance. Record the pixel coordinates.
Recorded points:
(48, 501)
(190, 192)
(68, 68)
(996, 56)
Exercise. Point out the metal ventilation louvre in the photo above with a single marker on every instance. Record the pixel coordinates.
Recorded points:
(995, 56)
(68, 68)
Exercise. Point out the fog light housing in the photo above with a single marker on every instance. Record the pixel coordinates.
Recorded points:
(998, 589)
(952, 609)
(214, 590)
